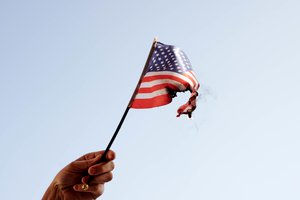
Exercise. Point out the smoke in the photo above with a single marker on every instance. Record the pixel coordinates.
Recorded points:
(205, 93)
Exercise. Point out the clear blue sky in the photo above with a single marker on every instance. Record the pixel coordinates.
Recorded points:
(68, 69)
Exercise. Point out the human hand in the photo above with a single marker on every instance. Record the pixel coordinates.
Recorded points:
(82, 179)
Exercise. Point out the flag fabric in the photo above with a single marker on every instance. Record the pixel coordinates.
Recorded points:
(168, 72)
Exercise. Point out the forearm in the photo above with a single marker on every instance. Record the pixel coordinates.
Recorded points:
(52, 193)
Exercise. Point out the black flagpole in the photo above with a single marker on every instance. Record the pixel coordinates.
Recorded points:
(103, 158)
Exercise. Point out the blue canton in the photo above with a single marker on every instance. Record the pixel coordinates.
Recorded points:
(169, 58)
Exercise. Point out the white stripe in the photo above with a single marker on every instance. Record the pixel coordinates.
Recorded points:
(192, 75)
(161, 81)
(172, 74)
(198, 84)
(151, 95)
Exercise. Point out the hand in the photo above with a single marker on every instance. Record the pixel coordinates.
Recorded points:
(70, 182)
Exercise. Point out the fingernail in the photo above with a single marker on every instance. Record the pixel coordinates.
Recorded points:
(92, 171)
(85, 179)
(76, 187)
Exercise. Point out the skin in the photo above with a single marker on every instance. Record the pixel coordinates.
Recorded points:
(67, 184)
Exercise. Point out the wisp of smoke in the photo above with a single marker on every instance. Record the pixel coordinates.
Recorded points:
(205, 92)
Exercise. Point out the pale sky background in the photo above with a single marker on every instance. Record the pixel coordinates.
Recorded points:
(68, 69)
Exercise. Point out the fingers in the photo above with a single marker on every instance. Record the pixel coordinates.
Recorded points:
(99, 173)
(96, 190)
(101, 168)
(96, 184)
(109, 156)
(101, 179)
(84, 162)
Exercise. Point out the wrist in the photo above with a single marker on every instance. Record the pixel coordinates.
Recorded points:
(53, 192)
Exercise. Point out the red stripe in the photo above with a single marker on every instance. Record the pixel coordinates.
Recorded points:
(189, 77)
(153, 102)
(158, 87)
(198, 84)
(158, 77)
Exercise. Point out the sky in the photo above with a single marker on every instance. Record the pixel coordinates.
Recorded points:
(68, 69)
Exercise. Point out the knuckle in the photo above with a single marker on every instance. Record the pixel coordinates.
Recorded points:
(87, 156)
(72, 164)
(109, 176)
(99, 191)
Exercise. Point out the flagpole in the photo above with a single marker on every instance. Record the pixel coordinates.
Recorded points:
(103, 158)
(144, 71)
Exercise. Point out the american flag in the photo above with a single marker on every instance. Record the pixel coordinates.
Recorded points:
(169, 71)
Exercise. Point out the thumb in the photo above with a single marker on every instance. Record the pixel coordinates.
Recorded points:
(83, 165)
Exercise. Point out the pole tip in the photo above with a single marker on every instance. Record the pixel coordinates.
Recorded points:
(155, 40)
